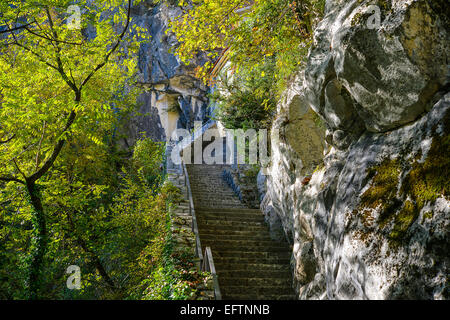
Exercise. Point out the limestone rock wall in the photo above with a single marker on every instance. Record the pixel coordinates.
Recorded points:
(363, 191)
(173, 97)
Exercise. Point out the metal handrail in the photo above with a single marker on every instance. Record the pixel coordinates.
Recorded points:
(194, 226)
(208, 263)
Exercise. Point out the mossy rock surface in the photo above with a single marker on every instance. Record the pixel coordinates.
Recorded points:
(400, 201)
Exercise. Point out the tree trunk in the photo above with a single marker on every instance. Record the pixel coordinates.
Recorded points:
(38, 241)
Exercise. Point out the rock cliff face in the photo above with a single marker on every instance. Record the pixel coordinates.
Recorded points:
(173, 97)
(364, 197)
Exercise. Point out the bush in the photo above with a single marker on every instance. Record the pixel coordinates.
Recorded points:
(247, 99)
(114, 224)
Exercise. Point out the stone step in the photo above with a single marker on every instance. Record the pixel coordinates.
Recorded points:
(211, 199)
(229, 211)
(249, 264)
(244, 235)
(244, 244)
(252, 256)
(231, 218)
(256, 283)
(232, 227)
(214, 195)
(218, 200)
(238, 213)
(215, 177)
(256, 248)
(272, 274)
(204, 176)
(230, 203)
(265, 290)
(210, 228)
(223, 259)
(223, 222)
(263, 232)
(208, 176)
(206, 173)
(210, 184)
(244, 266)
(213, 180)
(218, 196)
(207, 167)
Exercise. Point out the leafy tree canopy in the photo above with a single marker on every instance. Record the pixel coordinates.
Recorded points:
(264, 42)
(55, 78)
(250, 31)
(61, 84)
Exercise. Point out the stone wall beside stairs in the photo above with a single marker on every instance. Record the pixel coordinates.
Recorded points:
(182, 235)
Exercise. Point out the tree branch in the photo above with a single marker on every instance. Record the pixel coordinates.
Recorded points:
(9, 179)
(40, 145)
(16, 28)
(58, 56)
(18, 169)
(8, 140)
(34, 53)
(16, 42)
(59, 145)
(50, 39)
(114, 48)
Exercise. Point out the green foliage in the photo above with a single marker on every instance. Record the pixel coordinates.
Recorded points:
(148, 157)
(250, 30)
(140, 218)
(265, 42)
(176, 279)
(49, 73)
(99, 218)
(247, 99)
(141, 244)
(250, 175)
(63, 199)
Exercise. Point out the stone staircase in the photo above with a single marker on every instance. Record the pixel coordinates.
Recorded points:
(250, 265)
